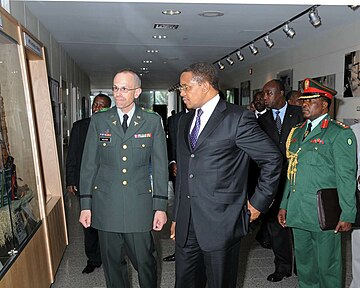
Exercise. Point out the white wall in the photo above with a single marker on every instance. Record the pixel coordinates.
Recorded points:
(324, 56)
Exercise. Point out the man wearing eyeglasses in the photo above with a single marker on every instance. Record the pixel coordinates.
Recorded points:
(117, 197)
(214, 145)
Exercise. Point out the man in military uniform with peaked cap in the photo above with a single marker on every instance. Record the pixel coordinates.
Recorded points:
(321, 154)
(123, 146)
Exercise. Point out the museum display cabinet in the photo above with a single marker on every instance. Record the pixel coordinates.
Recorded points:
(33, 233)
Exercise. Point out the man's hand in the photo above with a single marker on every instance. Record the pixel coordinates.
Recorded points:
(172, 230)
(72, 189)
(160, 219)
(85, 218)
(173, 169)
(254, 212)
(282, 217)
(342, 227)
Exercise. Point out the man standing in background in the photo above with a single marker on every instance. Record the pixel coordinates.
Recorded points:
(277, 123)
(73, 164)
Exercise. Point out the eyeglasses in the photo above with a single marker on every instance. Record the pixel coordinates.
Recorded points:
(122, 89)
(183, 88)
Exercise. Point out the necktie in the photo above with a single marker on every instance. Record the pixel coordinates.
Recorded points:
(278, 121)
(195, 131)
(308, 130)
(124, 123)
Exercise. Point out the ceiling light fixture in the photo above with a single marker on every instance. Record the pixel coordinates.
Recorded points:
(290, 32)
(152, 51)
(239, 55)
(221, 66)
(254, 50)
(314, 18)
(269, 42)
(230, 61)
(147, 61)
(211, 14)
(159, 36)
(171, 12)
(353, 7)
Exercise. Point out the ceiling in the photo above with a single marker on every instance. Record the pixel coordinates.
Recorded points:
(104, 37)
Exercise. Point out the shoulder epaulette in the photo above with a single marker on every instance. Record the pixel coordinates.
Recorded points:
(147, 110)
(104, 109)
(341, 124)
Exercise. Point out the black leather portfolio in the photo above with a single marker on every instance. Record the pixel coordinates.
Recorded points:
(328, 208)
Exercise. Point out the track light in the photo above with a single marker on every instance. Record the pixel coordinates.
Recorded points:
(269, 42)
(230, 61)
(240, 56)
(254, 50)
(221, 66)
(314, 18)
(290, 32)
(353, 7)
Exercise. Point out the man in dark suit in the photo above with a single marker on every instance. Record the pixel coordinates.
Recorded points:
(73, 164)
(123, 146)
(214, 145)
(277, 123)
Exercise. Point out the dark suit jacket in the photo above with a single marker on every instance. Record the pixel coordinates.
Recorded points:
(293, 116)
(212, 179)
(75, 151)
(115, 171)
(173, 123)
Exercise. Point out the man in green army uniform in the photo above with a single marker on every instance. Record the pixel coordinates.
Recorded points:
(321, 154)
(124, 146)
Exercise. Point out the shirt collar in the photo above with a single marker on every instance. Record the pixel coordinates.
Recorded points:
(282, 112)
(316, 121)
(130, 114)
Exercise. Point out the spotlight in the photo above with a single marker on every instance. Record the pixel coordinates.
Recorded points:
(314, 18)
(239, 55)
(290, 32)
(221, 66)
(353, 7)
(254, 50)
(230, 61)
(269, 42)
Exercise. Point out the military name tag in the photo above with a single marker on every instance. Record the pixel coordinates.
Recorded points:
(145, 135)
(105, 139)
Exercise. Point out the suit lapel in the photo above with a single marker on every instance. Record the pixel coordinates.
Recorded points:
(188, 118)
(215, 119)
(270, 125)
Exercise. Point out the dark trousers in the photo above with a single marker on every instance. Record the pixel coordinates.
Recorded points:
(141, 251)
(194, 267)
(92, 247)
(281, 242)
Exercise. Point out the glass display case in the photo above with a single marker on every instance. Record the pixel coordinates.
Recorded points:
(19, 207)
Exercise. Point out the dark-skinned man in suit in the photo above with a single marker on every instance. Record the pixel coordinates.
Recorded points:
(73, 164)
(211, 207)
(277, 123)
(122, 146)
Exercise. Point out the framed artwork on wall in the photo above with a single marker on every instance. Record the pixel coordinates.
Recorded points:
(286, 77)
(352, 74)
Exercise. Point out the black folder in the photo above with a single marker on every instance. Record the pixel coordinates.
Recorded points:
(329, 209)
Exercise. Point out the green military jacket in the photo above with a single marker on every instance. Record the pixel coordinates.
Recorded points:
(116, 169)
(325, 159)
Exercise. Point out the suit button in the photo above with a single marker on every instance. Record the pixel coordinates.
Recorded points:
(125, 183)
(192, 155)
(104, 144)
(124, 158)
(191, 176)
(124, 146)
(188, 197)
(95, 187)
(124, 170)
(143, 145)
(150, 190)
(294, 190)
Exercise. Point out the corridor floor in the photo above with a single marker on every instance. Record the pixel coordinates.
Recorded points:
(256, 263)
